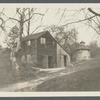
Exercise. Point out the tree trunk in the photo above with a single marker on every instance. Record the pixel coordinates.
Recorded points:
(28, 31)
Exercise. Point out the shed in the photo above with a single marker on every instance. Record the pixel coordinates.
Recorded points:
(42, 50)
(82, 52)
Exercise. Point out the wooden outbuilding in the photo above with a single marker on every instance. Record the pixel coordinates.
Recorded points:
(82, 52)
(44, 51)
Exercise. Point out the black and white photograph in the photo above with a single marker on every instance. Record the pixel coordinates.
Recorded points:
(49, 47)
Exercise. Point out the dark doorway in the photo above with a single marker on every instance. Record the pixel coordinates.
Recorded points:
(50, 61)
(65, 60)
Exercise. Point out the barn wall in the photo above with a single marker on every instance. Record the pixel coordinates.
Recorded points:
(60, 54)
(45, 50)
(29, 53)
(39, 53)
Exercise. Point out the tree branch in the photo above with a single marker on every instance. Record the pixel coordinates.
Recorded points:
(38, 14)
(62, 15)
(94, 29)
(32, 16)
(14, 19)
(44, 15)
(2, 24)
(27, 19)
(79, 21)
(95, 13)
(96, 23)
(98, 20)
(18, 11)
(58, 11)
(37, 28)
(2, 11)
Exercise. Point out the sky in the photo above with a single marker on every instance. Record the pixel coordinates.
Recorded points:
(71, 14)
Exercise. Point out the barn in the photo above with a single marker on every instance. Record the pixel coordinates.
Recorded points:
(42, 50)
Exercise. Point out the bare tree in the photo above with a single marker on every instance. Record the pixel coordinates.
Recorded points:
(94, 23)
(25, 16)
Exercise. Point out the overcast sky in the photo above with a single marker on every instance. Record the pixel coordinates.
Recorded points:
(52, 17)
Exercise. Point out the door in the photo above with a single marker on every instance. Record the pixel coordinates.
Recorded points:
(45, 61)
(50, 61)
(65, 60)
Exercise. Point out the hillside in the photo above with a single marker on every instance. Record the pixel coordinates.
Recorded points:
(6, 70)
(83, 76)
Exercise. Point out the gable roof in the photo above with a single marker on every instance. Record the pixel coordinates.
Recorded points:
(83, 47)
(34, 36)
(37, 35)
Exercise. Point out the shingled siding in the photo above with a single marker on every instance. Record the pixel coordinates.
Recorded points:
(46, 50)
(30, 52)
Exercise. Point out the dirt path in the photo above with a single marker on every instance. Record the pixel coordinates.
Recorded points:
(52, 73)
(31, 85)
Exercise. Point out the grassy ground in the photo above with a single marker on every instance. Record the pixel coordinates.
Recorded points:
(84, 79)
(6, 72)
(82, 76)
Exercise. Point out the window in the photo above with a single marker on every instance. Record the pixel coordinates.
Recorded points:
(28, 43)
(34, 43)
(53, 43)
(28, 57)
(23, 58)
(43, 40)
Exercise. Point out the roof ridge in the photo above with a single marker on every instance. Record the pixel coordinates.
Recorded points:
(33, 36)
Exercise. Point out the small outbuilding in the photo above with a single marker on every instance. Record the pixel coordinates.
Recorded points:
(81, 53)
(44, 51)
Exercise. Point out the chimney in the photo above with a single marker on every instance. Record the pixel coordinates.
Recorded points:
(82, 43)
